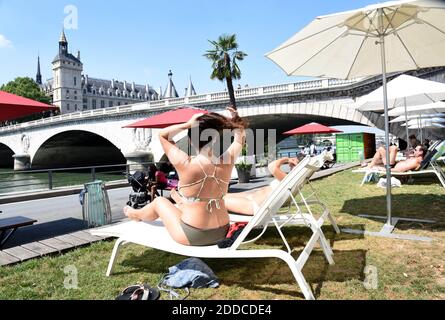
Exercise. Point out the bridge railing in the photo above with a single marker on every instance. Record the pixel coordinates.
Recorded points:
(255, 92)
(48, 179)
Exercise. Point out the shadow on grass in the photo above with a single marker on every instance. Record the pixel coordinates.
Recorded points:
(416, 206)
(42, 231)
(427, 179)
(265, 274)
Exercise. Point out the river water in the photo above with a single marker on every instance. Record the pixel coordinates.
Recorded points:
(11, 182)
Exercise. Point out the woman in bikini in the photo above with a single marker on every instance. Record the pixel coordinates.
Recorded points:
(201, 217)
(248, 202)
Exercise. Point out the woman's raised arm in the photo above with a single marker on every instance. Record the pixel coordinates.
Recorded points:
(237, 145)
(176, 156)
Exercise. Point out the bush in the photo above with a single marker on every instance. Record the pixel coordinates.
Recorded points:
(243, 166)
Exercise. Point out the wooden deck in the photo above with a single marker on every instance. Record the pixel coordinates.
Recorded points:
(47, 247)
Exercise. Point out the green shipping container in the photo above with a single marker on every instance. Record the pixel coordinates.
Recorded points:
(352, 147)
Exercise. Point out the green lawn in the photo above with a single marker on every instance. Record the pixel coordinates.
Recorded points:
(405, 269)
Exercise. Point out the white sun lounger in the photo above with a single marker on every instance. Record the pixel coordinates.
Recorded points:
(302, 203)
(433, 168)
(155, 235)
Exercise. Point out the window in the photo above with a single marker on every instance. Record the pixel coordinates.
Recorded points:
(84, 91)
(67, 91)
(102, 104)
(75, 91)
(111, 94)
(110, 104)
(94, 103)
(75, 97)
(119, 103)
(67, 106)
(94, 91)
(75, 82)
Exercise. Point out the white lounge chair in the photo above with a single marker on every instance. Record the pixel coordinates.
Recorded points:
(155, 235)
(432, 167)
(300, 202)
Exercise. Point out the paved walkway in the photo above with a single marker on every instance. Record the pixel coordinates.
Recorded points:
(60, 226)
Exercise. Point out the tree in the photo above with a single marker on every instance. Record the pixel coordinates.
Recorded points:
(26, 87)
(224, 57)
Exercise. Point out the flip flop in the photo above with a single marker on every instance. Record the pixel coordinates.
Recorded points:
(139, 292)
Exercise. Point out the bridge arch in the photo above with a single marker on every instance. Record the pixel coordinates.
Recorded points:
(6, 159)
(285, 116)
(74, 148)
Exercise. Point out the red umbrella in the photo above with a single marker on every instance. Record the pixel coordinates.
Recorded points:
(312, 128)
(13, 106)
(166, 119)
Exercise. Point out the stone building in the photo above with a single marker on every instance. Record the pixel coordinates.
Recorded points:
(72, 90)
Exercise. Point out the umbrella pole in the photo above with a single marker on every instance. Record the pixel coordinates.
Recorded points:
(407, 129)
(388, 228)
(385, 104)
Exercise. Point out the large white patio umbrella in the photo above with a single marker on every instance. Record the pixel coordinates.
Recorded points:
(406, 113)
(432, 108)
(404, 92)
(423, 122)
(378, 39)
(419, 121)
(432, 125)
(418, 116)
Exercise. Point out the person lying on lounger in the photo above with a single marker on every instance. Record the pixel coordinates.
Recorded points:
(248, 202)
(412, 163)
(200, 218)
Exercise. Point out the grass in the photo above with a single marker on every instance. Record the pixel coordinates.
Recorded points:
(405, 269)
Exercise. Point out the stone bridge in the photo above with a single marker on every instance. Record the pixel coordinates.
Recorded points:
(97, 137)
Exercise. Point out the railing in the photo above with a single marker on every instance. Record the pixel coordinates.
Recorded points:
(291, 154)
(176, 102)
(49, 179)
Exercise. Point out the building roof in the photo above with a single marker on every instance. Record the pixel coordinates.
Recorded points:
(63, 54)
(63, 37)
(90, 82)
(170, 91)
(190, 90)
(66, 57)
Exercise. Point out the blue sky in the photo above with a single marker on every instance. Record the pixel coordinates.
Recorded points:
(141, 40)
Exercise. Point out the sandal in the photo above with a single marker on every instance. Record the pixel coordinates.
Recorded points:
(139, 292)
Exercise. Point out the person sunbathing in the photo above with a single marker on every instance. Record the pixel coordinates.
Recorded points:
(201, 217)
(248, 202)
(412, 163)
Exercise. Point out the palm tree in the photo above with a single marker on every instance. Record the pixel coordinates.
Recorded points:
(224, 57)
